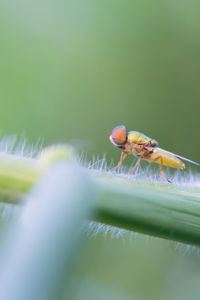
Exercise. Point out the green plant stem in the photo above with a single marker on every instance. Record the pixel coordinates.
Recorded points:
(17, 176)
(158, 209)
(164, 210)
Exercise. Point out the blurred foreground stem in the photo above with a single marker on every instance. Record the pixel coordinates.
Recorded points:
(43, 244)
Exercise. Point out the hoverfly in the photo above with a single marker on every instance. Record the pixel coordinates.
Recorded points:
(143, 147)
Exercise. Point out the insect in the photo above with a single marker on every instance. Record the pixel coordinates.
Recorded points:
(143, 147)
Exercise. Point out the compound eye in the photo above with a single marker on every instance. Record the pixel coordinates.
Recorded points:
(119, 135)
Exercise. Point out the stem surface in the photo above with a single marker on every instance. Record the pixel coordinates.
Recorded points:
(158, 209)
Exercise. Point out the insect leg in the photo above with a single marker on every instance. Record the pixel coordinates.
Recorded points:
(162, 171)
(122, 157)
(137, 163)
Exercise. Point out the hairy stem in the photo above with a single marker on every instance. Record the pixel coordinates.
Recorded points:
(167, 211)
(158, 209)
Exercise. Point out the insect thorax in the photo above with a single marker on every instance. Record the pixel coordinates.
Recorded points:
(132, 148)
(139, 150)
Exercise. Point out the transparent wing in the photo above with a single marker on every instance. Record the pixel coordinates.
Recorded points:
(183, 158)
(189, 160)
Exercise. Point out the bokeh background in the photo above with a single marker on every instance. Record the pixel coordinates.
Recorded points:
(71, 69)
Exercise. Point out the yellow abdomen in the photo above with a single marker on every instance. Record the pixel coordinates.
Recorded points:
(167, 158)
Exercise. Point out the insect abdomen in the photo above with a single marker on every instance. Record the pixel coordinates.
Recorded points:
(167, 158)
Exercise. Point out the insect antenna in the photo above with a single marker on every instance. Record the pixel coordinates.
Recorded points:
(108, 131)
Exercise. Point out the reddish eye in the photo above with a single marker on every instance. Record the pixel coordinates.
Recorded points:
(119, 135)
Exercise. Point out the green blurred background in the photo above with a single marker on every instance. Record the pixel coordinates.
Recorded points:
(71, 69)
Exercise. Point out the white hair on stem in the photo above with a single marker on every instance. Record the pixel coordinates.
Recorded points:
(94, 229)
(11, 144)
(142, 173)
